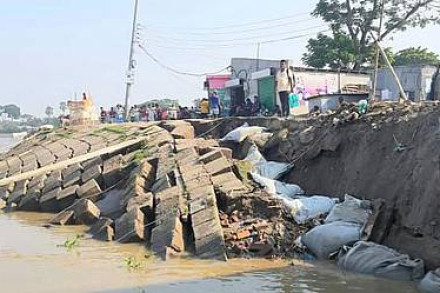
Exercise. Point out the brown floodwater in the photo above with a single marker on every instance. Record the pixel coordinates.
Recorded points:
(33, 259)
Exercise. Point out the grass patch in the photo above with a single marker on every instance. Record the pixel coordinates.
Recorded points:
(70, 244)
(244, 168)
(132, 263)
(111, 129)
(64, 134)
(142, 154)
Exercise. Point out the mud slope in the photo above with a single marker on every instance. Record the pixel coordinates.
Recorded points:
(363, 161)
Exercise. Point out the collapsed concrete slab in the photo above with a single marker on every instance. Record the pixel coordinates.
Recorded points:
(18, 192)
(86, 212)
(63, 218)
(130, 226)
(103, 230)
(89, 190)
(67, 197)
(49, 202)
(167, 236)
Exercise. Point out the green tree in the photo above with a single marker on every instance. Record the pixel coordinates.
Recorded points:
(358, 19)
(13, 111)
(416, 56)
(63, 107)
(330, 51)
(49, 111)
(338, 50)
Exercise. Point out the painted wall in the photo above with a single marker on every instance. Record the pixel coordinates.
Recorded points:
(217, 81)
(308, 83)
(416, 81)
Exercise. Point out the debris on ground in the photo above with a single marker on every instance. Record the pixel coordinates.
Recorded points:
(179, 193)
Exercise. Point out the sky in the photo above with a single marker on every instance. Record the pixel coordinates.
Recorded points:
(53, 50)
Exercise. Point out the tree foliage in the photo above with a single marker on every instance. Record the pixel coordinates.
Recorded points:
(338, 52)
(330, 51)
(12, 110)
(416, 56)
(359, 19)
(49, 111)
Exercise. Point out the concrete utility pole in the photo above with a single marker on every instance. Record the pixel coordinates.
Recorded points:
(396, 77)
(130, 70)
(258, 56)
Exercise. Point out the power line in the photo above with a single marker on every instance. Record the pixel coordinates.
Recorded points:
(224, 46)
(240, 31)
(252, 23)
(178, 71)
(238, 39)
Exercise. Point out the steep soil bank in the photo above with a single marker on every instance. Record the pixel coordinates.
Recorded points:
(367, 163)
(391, 154)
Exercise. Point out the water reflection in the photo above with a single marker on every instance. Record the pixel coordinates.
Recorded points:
(32, 260)
(288, 280)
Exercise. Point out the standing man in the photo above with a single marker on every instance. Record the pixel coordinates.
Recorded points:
(284, 85)
(204, 108)
(214, 101)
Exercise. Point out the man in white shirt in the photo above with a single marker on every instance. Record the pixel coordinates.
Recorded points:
(284, 86)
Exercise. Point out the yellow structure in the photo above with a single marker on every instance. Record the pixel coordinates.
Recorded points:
(82, 112)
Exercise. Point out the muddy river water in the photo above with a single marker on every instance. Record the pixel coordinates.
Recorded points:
(33, 259)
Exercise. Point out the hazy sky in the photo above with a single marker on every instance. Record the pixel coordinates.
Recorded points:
(52, 49)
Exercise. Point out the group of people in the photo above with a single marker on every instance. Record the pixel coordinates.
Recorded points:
(208, 107)
(211, 106)
(136, 113)
(248, 108)
(139, 113)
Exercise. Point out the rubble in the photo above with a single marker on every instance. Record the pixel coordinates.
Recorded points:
(178, 194)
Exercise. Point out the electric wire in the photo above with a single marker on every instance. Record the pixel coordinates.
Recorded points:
(252, 23)
(169, 68)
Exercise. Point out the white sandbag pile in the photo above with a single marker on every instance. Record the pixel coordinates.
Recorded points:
(378, 260)
(278, 189)
(430, 283)
(304, 209)
(239, 134)
(343, 226)
(266, 169)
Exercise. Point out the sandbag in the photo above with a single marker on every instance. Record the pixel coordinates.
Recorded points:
(308, 208)
(239, 134)
(327, 239)
(270, 170)
(378, 260)
(277, 188)
(350, 210)
(430, 283)
(254, 155)
(260, 139)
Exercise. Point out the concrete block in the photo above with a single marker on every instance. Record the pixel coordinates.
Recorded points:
(112, 170)
(89, 190)
(185, 131)
(67, 197)
(103, 230)
(71, 175)
(86, 212)
(20, 189)
(92, 172)
(63, 218)
(219, 166)
(52, 182)
(130, 226)
(30, 202)
(49, 202)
